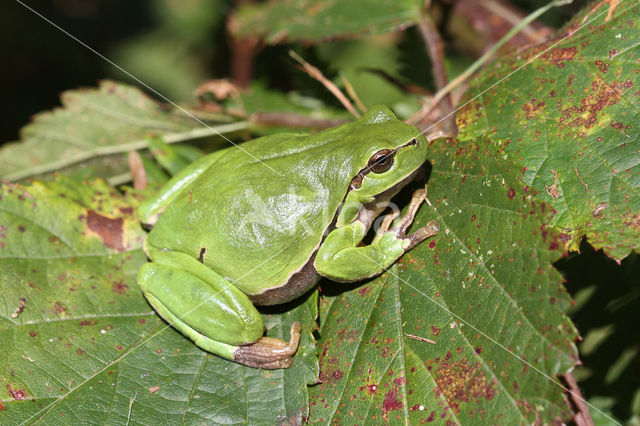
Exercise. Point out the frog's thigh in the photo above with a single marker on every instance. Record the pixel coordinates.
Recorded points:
(208, 312)
(339, 257)
(212, 312)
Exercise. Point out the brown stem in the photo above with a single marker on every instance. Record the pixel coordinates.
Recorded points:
(243, 50)
(435, 50)
(352, 93)
(576, 402)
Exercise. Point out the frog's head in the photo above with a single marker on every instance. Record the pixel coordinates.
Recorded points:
(392, 154)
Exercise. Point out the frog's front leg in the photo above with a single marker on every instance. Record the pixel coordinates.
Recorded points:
(340, 259)
(211, 311)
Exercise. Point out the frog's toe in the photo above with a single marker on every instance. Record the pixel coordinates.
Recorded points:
(269, 353)
(429, 230)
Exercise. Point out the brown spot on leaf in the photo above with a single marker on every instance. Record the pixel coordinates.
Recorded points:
(59, 308)
(391, 402)
(553, 189)
(560, 55)
(461, 382)
(619, 125)
(597, 212)
(585, 113)
(533, 108)
(120, 287)
(602, 66)
(16, 393)
(109, 230)
(631, 221)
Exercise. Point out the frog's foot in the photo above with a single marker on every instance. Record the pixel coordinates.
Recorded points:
(387, 221)
(269, 353)
(429, 230)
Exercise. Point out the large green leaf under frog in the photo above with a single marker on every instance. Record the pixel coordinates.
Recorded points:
(483, 290)
(79, 343)
(569, 108)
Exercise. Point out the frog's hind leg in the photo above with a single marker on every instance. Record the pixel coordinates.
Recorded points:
(268, 352)
(212, 312)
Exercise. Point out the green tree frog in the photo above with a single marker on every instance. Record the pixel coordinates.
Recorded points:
(262, 222)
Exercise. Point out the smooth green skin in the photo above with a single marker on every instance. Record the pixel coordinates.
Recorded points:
(259, 227)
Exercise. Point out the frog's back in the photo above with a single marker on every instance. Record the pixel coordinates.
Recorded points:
(259, 212)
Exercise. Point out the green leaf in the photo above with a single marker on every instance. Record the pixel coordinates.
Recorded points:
(316, 20)
(114, 118)
(79, 343)
(483, 289)
(570, 111)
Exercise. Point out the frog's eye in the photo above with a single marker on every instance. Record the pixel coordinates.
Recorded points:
(381, 161)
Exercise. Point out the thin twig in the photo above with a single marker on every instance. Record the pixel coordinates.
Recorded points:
(435, 50)
(315, 73)
(136, 169)
(424, 111)
(421, 339)
(352, 93)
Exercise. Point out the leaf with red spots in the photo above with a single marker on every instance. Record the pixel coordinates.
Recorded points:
(569, 110)
(114, 118)
(483, 289)
(316, 20)
(79, 343)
